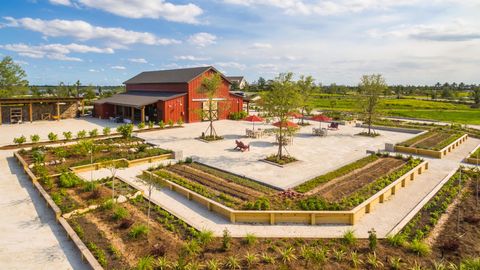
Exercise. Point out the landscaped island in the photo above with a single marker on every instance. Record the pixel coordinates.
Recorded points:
(342, 189)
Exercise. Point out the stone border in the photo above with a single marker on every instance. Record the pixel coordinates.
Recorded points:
(206, 141)
(432, 153)
(304, 217)
(470, 159)
(281, 165)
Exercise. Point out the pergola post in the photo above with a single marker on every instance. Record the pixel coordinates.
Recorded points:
(83, 107)
(133, 114)
(142, 117)
(30, 112)
(58, 111)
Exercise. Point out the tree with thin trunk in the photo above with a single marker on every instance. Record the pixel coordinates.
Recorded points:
(151, 185)
(282, 99)
(370, 88)
(306, 88)
(112, 166)
(210, 87)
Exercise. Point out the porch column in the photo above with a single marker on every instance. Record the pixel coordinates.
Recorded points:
(1, 113)
(133, 114)
(142, 117)
(83, 107)
(30, 113)
(58, 111)
(248, 107)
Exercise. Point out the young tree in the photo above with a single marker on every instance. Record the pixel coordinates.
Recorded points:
(12, 78)
(370, 88)
(210, 87)
(306, 88)
(476, 95)
(282, 99)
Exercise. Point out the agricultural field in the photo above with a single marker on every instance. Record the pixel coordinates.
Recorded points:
(434, 139)
(54, 160)
(404, 107)
(342, 189)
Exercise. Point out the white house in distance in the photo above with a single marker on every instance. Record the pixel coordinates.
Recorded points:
(239, 80)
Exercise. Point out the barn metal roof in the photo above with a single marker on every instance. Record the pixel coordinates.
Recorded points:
(183, 75)
(138, 98)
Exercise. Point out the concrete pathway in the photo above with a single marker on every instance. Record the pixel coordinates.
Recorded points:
(384, 218)
(30, 238)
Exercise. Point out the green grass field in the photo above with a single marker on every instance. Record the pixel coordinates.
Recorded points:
(422, 109)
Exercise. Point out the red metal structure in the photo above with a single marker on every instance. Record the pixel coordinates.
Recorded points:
(168, 95)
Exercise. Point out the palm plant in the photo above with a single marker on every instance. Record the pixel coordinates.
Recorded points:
(212, 264)
(287, 255)
(232, 263)
(251, 259)
(162, 263)
(146, 263)
(373, 260)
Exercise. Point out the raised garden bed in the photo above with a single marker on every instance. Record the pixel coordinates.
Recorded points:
(209, 139)
(342, 189)
(54, 160)
(280, 162)
(437, 142)
(474, 157)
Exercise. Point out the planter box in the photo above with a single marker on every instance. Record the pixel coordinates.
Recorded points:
(432, 153)
(471, 159)
(280, 165)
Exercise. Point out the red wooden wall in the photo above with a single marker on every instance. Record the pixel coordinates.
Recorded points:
(174, 109)
(103, 111)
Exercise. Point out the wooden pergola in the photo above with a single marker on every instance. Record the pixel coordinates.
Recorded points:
(31, 101)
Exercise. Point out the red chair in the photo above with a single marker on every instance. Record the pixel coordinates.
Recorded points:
(241, 146)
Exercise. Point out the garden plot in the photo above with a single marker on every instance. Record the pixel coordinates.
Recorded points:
(435, 139)
(54, 160)
(342, 189)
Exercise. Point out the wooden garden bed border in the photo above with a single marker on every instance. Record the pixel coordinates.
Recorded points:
(272, 217)
(85, 252)
(432, 153)
(472, 160)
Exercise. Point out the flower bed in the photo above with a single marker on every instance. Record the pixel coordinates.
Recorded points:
(435, 139)
(285, 160)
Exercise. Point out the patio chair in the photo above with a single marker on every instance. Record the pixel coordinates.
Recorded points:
(333, 126)
(241, 146)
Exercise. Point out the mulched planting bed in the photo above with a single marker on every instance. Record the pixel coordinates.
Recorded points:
(435, 139)
(339, 190)
(58, 159)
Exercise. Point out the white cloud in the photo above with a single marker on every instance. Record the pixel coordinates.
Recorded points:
(54, 51)
(138, 60)
(118, 67)
(82, 30)
(261, 46)
(202, 39)
(153, 9)
(235, 65)
(20, 62)
(61, 2)
(93, 70)
(458, 30)
(191, 58)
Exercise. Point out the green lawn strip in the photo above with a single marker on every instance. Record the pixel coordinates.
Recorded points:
(347, 203)
(470, 116)
(313, 183)
(233, 178)
(197, 188)
(426, 219)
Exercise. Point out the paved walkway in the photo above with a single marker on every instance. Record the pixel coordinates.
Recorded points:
(30, 238)
(385, 217)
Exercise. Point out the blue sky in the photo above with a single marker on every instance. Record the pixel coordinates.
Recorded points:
(105, 42)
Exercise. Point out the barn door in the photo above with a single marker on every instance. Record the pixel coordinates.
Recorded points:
(214, 110)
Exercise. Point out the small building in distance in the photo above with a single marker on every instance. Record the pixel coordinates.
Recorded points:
(29, 109)
(238, 80)
(168, 95)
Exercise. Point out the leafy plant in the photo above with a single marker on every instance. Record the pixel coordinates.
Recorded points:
(161, 124)
(226, 240)
(162, 263)
(141, 125)
(268, 259)
(396, 240)
(106, 130)
(191, 248)
(250, 239)
(373, 261)
(81, 134)
(120, 213)
(20, 140)
(34, 138)
(287, 255)
(338, 254)
(232, 263)
(372, 239)
(98, 253)
(349, 238)
(212, 264)
(395, 263)
(204, 237)
(151, 124)
(180, 122)
(146, 263)
(52, 136)
(69, 180)
(67, 135)
(418, 247)
(138, 231)
(356, 261)
(250, 259)
(126, 130)
(170, 123)
(93, 133)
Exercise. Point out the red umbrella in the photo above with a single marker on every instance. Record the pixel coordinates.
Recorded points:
(253, 119)
(285, 124)
(321, 118)
(295, 115)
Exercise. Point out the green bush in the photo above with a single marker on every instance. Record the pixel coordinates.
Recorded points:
(120, 213)
(34, 138)
(106, 130)
(138, 231)
(250, 239)
(180, 122)
(20, 140)
(69, 180)
(237, 115)
(151, 124)
(161, 124)
(349, 238)
(141, 125)
(52, 136)
(226, 240)
(126, 130)
(418, 247)
(93, 133)
(98, 253)
(396, 240)
(81, 134)
(67, 135)
(170, 123)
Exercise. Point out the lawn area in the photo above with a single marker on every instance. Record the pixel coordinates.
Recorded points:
(412, 108)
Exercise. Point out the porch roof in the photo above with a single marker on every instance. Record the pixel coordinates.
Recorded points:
(139, 98)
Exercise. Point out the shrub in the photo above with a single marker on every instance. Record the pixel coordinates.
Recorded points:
(287, 255)
(67, 135)
(81, 134)
(38, 157)
(138, 231)
(356, 261)
(232, 263)
(237, 115)
(126, 130)
(162, 263)
(141, 125)
(151, 124)
(34, 138)
(396, 240)
(180, 122)
(191, 248)
(93, 133)
(120, 213)
(372, 239)
(98, 253)
(170, 123)
(20, 140)
(349, 238)
(161, 124)
(146, 263)
(259, 204)
(250, 239)
(106, 130)
(373, 260)
(69, 180)
(226, 240)
(266, 258)
(418, 247)
(250, 259)
(52, 136)
(395, 263)
(204, 237)
(468, 264)
(212, 264)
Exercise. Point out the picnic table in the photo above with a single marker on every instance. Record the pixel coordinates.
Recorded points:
(320, 132)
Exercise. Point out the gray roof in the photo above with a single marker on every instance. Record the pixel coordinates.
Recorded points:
(183, 75)
(138, 98)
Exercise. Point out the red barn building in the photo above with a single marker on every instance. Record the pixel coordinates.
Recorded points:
(166, 95)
